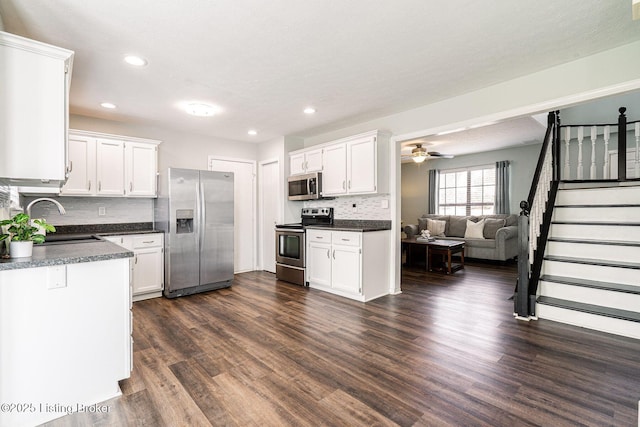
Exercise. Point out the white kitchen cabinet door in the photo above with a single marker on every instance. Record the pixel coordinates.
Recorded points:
(361, 167)
(296, 164)
(319, 263)
(346, 268)
(305, 162)
(148, 265)
(141, 169)
(334, 175)
(82, 167)
(110, 167)
(33, 111)
(313, 160)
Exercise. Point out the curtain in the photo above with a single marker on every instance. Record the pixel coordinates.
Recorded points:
(502, 187)
(433, 191)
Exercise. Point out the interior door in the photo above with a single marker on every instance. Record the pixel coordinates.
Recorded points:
(269, 183)
(245, 224)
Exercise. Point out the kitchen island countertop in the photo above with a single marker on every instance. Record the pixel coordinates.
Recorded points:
(70, 253)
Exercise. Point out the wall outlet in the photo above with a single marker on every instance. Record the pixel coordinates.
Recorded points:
(102, 211)
(384, 204)
(354, 208)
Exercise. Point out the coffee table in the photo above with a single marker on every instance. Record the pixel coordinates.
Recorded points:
(441, 248)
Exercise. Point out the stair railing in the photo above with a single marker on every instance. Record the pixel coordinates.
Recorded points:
(587, 155)
(535, 220)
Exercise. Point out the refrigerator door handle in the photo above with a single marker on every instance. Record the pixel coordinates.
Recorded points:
(198, 221)
(203, 214)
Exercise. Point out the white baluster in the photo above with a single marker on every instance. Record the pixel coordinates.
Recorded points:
(637, 150)
(605, 169)
(580, 174)
(594, 136)
(567, 166)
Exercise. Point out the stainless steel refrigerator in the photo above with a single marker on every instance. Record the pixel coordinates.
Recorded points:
(195, 211)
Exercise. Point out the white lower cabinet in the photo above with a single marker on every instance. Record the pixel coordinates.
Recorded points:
(147, 265)
(347, 263)
(65, 338)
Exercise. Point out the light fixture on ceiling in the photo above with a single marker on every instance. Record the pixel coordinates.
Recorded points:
(200, 109)
(108, 105)
(136, 61)
(309, 110)
(419, 154)
(252, 132)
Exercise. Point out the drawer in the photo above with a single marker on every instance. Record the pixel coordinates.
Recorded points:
(321, 236)
(147, 240)
(346, 238)
(124, 241)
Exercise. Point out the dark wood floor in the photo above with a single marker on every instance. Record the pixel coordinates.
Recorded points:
(447, 351)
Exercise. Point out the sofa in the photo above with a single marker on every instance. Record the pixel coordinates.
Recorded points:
(496, 238)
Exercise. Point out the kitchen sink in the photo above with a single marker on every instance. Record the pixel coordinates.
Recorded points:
(63, 239)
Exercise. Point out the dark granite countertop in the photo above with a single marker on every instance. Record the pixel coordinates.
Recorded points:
(358, 225)
(70, 253)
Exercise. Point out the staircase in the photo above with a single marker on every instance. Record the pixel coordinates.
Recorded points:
(590, 275)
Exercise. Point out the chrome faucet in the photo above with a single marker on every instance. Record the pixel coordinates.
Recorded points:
(45, 199)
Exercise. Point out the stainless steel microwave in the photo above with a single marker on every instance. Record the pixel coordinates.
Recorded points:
(305, 187)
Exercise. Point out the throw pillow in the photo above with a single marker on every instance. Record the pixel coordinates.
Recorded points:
(474, 230)
(435, 227)
(458, 224)
(422, 224)
(491, 227)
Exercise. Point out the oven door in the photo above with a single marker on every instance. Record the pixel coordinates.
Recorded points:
(290, 247)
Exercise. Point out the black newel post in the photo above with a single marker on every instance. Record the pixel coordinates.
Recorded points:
(521, 300)
(622, 145)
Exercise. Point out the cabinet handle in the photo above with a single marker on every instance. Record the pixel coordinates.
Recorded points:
(89, 189)
(349, 184)
(130, 186)
(334, 254)
(148, 241)
(328, 254)
(70, 165)
(306, 165)
(346, 240)
(344, 186)
(319, 237)
(136, 259)
(99, 185)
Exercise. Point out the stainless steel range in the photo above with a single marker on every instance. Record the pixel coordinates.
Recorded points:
(290, 244)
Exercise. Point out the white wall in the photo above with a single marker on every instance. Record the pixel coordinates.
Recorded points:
(178, 149)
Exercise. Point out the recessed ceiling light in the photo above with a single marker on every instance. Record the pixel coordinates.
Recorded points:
(200, 109)
(252, 132)
(309, 110)
(108, 105)
(136, 61)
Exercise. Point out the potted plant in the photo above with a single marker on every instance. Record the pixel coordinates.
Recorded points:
(23, 234)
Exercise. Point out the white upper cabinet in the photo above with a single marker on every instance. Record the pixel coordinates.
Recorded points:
(356, 165)
(111, 165)
(306, 161)
(334, 175)
(141, 167)
(34, 114)
(82, 166)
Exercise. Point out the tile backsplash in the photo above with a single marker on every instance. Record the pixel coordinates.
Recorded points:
(88, 210)
(366, 207)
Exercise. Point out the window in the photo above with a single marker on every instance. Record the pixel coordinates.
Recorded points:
(470, 191)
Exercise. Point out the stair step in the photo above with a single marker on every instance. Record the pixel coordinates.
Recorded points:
(594, 241)
(598, 223)
(610, 195)
(630, 316)
(614, 287)
(600, 206)
(607, 232)
(591, 261)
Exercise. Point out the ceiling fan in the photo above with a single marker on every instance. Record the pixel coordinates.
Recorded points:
(420, 154)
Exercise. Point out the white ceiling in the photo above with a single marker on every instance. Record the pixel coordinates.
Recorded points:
(262, 62)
